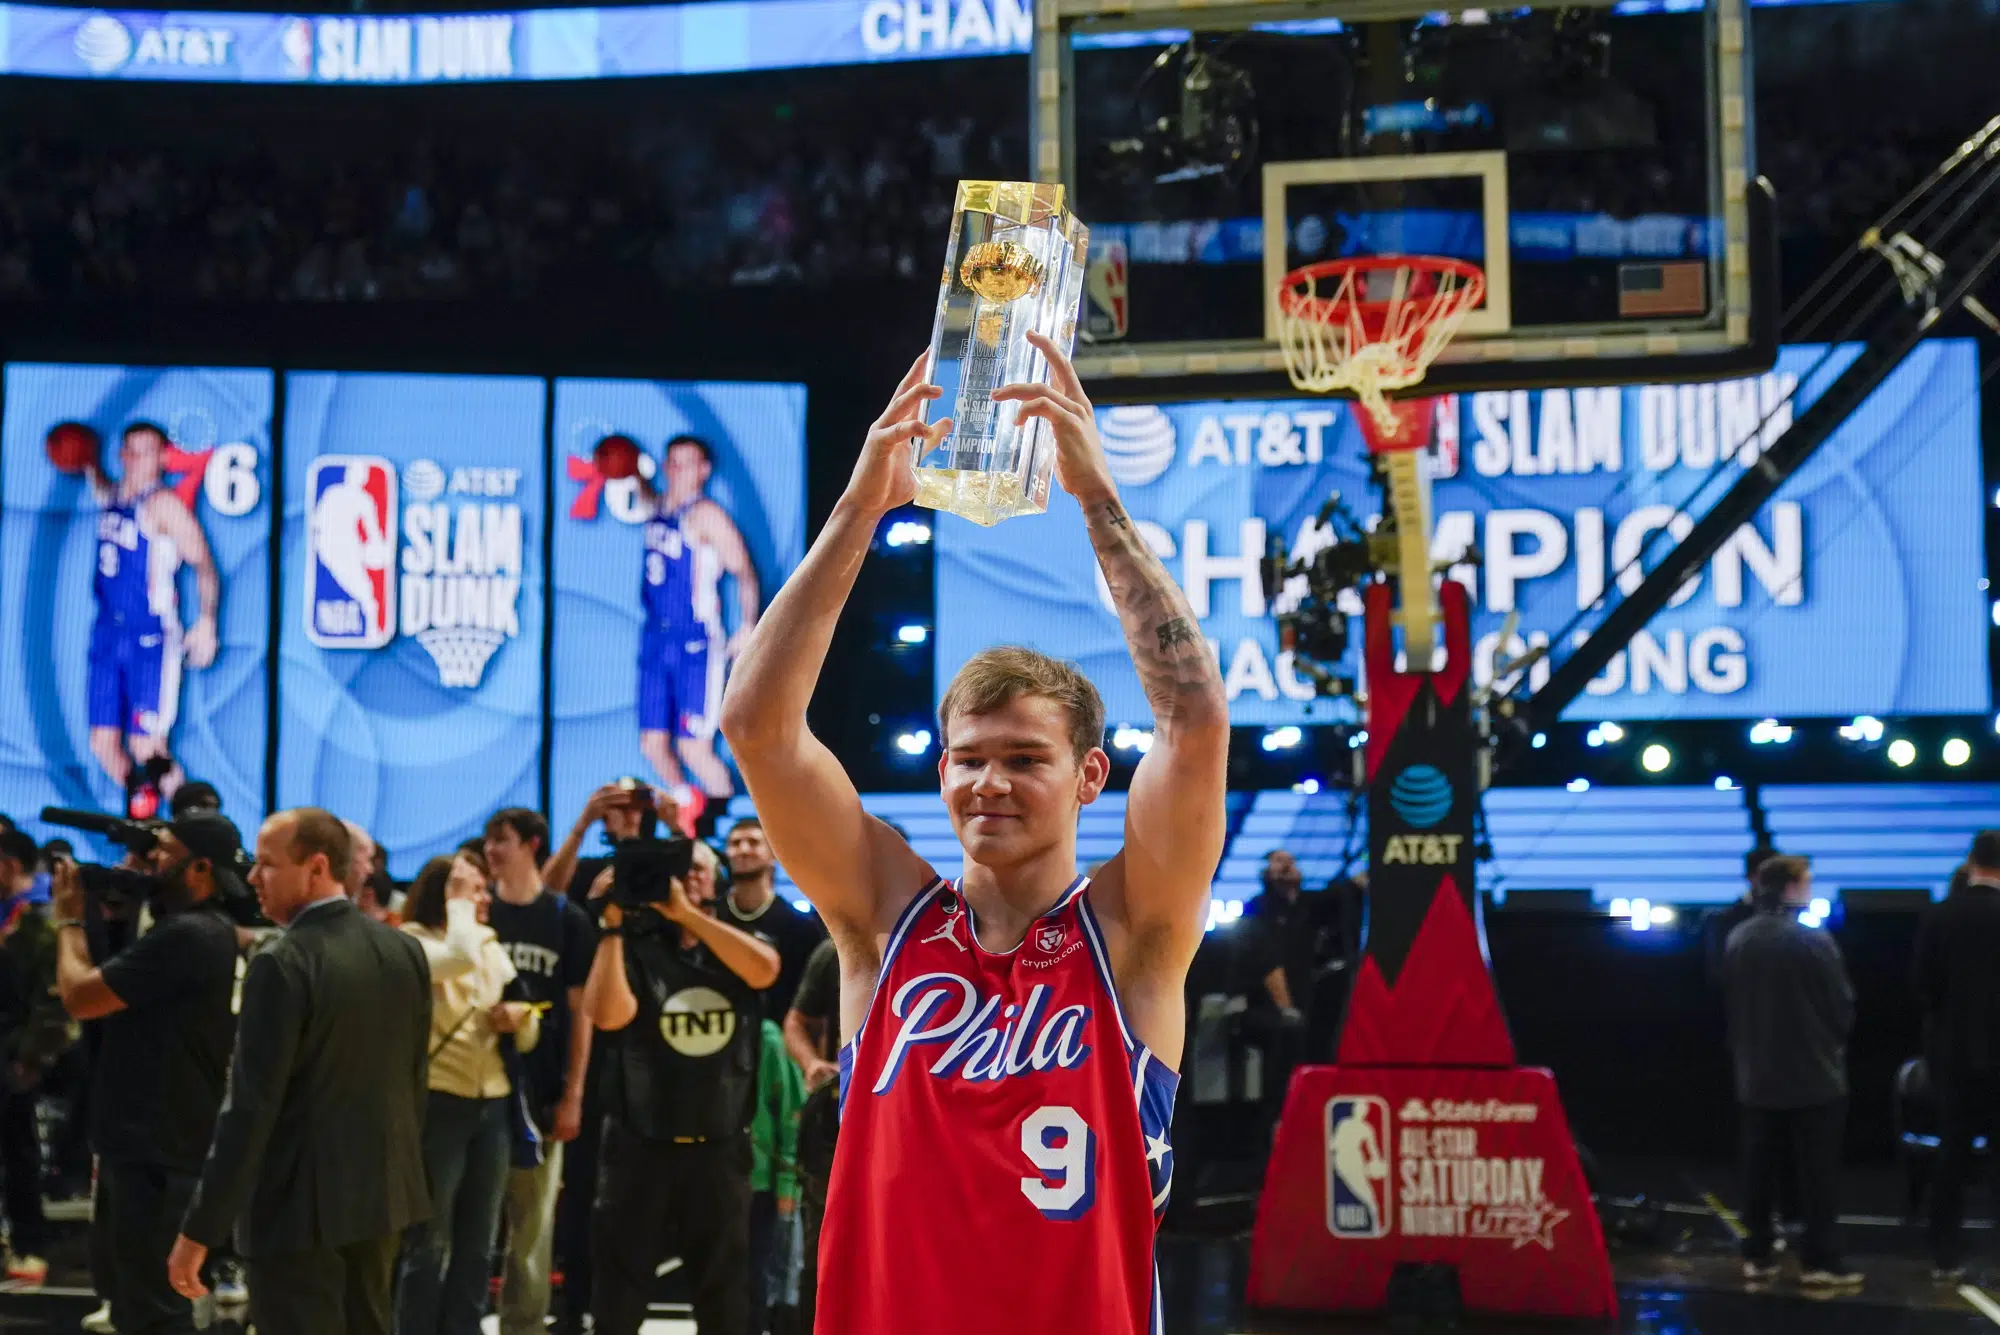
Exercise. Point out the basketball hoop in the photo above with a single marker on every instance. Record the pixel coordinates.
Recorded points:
(460, 652)
(1371, 325)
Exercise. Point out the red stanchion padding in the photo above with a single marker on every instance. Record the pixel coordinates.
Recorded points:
(1442, 1010)
(1377, 1166)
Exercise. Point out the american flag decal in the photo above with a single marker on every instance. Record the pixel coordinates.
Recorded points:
(1676, 288)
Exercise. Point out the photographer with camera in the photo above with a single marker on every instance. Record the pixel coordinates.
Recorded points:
(165, 1002)
(33, 1033)
(680, 1090)
(628, 809)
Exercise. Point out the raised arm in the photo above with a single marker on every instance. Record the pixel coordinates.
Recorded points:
(853, 868)
(1157, 889)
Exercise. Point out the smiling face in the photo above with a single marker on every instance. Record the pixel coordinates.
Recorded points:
(1012, 782)
(139, 457)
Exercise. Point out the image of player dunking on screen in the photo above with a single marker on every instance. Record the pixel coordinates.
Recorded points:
(683, 652)
(145, 533)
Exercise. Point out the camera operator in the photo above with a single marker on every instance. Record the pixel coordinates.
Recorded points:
(33, 1033)
(680, 1090)
(164, 1058)
(622, 806)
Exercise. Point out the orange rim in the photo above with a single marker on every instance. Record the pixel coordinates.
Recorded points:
(1325, 310)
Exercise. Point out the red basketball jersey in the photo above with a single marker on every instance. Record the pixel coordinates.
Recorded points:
(1003, 1158)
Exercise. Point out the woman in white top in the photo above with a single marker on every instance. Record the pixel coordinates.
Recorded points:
(442, 1280)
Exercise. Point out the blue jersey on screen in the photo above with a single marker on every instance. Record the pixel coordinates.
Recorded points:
(681, 587)
(680, 647)
(130, 590)
(135, 643)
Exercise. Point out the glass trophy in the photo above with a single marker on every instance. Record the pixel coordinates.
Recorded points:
(1015, 262)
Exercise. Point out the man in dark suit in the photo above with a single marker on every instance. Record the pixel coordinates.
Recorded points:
(317, 1151)
(1957, 971)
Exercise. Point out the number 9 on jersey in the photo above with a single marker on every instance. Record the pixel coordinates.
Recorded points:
(1057, 1142)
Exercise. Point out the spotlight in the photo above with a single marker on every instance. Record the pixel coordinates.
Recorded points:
(1578, 785)
(912, 634)
(1540, 740)
(1902, 752)
(1865, 728)
(1642, 915)
(1957, 751)
(1128, 738)
(1621, 908)
(907, 533)
(1821, 908)
(1724, 784)
(1810, 919)
(1595, 737)
(1358, 740)
(1662, 915)
(914, 743)
(1655, 758)
(1611, 732)
(1306, 786)
(1770, 732)
(1283, 739)
(802, 905)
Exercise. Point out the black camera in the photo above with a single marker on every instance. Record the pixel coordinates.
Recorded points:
(641, 869)
(119, 887)
(1314, 632)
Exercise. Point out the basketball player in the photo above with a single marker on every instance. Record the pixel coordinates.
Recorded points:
(145, 533)
(690, 545)
(1012, 1037)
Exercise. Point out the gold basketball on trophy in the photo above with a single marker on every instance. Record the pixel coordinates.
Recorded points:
(1001, 271)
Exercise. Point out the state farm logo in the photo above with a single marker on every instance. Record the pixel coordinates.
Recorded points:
(1488, 1110)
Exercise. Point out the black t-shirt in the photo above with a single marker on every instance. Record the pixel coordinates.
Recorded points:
(794, 935)
(551, 942)
(687, 1064)
(818, 997)
(164, 1062)
(1301, 938)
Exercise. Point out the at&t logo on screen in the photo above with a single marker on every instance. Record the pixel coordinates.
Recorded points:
(104, 44)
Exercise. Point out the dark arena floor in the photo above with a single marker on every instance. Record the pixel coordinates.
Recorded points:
(1673, 1251)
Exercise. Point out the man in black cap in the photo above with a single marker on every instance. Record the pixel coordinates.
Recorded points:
(193, 798)
(165, 1005)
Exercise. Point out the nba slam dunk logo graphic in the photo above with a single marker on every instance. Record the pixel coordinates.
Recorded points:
(457, 586)
(1357, 1167)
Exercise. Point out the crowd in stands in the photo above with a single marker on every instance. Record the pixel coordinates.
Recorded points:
(744, 180)
(674, 201)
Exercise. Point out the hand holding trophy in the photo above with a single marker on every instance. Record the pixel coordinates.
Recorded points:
(1014, 267)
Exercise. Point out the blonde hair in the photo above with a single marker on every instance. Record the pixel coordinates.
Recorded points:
(996, 677)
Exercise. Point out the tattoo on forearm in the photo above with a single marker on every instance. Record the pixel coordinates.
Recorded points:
(1173, 660)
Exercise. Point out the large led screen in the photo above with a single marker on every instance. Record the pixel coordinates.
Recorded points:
(134, 587)
(410, 677)
(1854, 590)
(659, 577)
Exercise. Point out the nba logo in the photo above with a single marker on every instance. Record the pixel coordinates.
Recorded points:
(1106, 292)
(350, 552)
(1358, 1181)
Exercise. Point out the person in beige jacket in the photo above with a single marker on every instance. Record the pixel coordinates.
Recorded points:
(442, 1275)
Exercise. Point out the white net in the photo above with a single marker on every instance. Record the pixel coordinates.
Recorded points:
(1372, 329)
(460, 652)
